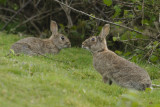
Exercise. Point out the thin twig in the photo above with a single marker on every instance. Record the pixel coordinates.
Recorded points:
(151, 53)
(38, 3)
(157, 26)
(135, 39)
(130, 44)
(136, 47)
(7, 9)
(31, 18)
(15, 15)
(67, 12)
(98, 18)
(142, 11)
(159, 17)
(79, 11)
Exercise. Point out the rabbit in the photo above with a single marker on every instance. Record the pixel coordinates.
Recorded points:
(36, 46)
(114, 68)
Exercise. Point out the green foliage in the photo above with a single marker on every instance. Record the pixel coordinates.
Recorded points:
(128, 14)
(114, 38)
(146, 49)
(62, 29)
(135, 58)
(126, 54)
(15, 7)
(3, 2)
(145, 21)
(118, 52)
(108, 2)
(154, 58)
(78, 33)
(117, 11)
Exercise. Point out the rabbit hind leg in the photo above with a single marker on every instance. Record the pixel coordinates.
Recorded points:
(23, 48)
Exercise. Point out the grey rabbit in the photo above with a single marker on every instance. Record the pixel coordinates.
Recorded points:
(114, 68)
(35, 46)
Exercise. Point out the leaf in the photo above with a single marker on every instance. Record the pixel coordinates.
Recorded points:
(134, 1)
(153, 18)
(114, 38)
(134, 58)
(118, 52)
(125, 12)
(148, 90)
(15, 7)
(145, 21)
(12, 51)
(139, 7)
(153, 58)
(108, 2)
(127, 53)
(155, 43)
(92, 15)
(130, 16)
(117, 11)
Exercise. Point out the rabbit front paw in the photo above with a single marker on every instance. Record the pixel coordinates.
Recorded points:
(107, 80)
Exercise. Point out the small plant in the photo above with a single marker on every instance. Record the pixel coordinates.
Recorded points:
(130, 99)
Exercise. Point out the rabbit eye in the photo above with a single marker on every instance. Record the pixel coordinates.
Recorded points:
(93, 39)
(62, 37)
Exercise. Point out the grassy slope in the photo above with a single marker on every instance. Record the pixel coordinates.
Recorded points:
(38, 81)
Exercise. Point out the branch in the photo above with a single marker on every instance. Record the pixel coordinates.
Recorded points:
(135, 40)
(143, 49)
(104, 20)
(142, 11)
(98, 18)
(159, 17)
(34, 25)
(15, 14)
(38, 3)
(31, 18)
(67, 12)
(157, 26)
(7, 9)
(4, 18)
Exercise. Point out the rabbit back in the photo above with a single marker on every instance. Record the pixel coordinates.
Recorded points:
(30, 45)
(34, 46)
(121, 71)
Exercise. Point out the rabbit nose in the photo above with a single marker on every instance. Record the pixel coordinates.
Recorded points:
(69, 44)
(82, 44)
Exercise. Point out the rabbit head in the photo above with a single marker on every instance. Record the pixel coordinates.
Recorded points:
(60, 40)
(97, 43)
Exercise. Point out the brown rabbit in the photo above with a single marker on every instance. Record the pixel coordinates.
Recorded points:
(35, 46)
(113, 67)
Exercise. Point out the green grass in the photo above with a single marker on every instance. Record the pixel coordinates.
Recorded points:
(68, 79)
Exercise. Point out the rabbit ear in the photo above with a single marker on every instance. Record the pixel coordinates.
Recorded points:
(53, 27)
(105, 31)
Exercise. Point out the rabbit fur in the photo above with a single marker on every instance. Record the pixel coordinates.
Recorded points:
(35, 46)
(114, 68)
